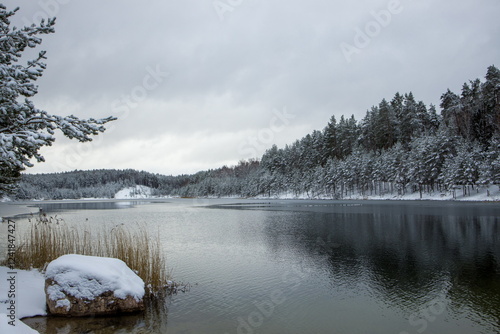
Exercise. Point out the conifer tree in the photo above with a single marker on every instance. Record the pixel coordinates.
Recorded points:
(25, 129)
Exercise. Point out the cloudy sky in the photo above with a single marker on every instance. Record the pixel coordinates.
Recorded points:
(198, 84)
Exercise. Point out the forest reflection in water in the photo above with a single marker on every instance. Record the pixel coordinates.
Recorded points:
(409, 254)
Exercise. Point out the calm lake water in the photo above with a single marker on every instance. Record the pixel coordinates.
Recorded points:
(272, 266)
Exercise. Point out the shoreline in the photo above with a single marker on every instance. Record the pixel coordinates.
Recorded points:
(9, 209)
(12, 209)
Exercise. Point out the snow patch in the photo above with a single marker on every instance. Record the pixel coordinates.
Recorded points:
(134, 192)
(30, 299)
(64, 303)
(19, 328)
(5, 199)
(87, 277)
(30, 295)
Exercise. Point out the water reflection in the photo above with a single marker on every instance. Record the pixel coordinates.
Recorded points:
(153, 320)
(51, 207)
(406, 256)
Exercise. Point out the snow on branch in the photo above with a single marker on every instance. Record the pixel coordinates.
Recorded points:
(24, 129)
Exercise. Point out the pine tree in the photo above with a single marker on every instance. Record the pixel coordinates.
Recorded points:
(330, 145)
(490, 168)
(475, 114)
(433, 121)
(385, 124)
(451, 106)
(367, 138)
(348, 134)
(24, 129)
(491, 96)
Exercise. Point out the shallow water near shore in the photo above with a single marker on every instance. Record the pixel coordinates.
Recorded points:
(272, 266)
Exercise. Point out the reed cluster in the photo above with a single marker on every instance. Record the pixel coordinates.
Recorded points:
(50, 237)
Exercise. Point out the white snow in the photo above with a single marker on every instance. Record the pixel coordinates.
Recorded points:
(18, 328)
(134, 192)
(89, 276)
(29, 299)
(29, 294)
(491, 194)
(5, 199)
(64, 303)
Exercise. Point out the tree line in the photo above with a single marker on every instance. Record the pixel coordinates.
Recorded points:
(401, 146)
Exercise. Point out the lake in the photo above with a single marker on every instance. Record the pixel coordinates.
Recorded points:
(271, 266)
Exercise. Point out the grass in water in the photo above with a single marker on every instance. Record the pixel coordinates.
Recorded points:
(49, 237)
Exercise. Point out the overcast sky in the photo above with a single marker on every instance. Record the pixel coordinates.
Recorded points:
(198, 84)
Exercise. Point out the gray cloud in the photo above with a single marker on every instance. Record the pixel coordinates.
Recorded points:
(227, 76)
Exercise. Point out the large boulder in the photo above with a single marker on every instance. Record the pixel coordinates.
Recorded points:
(78, 285)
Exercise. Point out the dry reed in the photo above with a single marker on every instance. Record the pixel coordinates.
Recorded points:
(49, 238)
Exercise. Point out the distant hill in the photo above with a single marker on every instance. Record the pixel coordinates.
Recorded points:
(112, 183)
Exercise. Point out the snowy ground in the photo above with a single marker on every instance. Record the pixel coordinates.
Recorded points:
(29, 298)
(478, 195)
(18, 328)
(134, 192)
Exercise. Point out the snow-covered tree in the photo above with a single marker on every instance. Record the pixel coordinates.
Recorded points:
(490, 169)
(330, 149)
(426, 160)
(348, 133)
(24, 129)
(464, 168)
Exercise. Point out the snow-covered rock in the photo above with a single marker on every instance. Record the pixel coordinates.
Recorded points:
(79, 285)
(134, 192)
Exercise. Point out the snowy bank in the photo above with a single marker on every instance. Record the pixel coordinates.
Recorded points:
(134, 192)
(18, 328)
(29, 295)
(29, 298)
(491, 194)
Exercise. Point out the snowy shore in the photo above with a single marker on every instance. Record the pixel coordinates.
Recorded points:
(491, 194)
(29, 299)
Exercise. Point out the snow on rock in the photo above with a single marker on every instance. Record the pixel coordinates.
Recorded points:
(134, 192)
(18, 326)
(89, 276)
(79, 285)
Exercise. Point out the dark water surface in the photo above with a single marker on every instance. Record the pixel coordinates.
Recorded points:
(311, 266)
